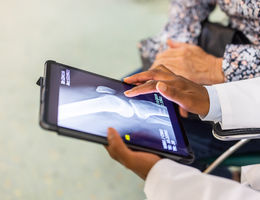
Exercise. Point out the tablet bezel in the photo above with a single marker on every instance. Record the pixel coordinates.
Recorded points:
(47, 124)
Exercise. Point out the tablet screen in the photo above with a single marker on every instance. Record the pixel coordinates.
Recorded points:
(91, 103)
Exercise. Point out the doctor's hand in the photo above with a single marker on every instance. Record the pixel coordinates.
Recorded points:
(139, 162)
(190, 96)
(191, 62)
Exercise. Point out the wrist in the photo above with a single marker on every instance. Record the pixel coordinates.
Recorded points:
(217, 74)
(141, 163)
(220, 73)
(206, 103)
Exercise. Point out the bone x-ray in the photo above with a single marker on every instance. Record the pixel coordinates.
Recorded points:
(91, 103)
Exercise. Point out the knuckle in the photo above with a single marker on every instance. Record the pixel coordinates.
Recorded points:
(151, 83)
(153, 73)
(178, 83)
(150, 73)
(160, 67)
(172, 91)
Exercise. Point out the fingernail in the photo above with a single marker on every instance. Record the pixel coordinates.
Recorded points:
(127, 92)
(125, 78)
(162, 86)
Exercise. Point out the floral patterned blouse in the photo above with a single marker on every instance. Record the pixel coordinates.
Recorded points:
(184, 25)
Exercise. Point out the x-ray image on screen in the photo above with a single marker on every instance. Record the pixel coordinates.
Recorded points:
(91, 104)
(109, 102)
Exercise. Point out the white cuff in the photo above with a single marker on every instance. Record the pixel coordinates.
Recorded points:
(214, 113)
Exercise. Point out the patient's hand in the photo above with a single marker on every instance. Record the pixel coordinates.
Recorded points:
(187, 94)
(191, 62)
(139, 162)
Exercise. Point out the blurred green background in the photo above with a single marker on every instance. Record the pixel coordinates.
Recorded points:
(95, 35)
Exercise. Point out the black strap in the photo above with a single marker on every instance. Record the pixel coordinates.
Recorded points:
(245, 131)
(214, 37)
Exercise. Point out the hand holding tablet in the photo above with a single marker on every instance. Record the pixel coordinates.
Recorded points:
(139, 162)
(83, 105)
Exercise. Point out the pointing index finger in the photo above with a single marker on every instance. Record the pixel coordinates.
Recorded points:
(158, 73)
(148, 87)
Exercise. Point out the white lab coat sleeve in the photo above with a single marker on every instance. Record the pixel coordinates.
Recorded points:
(250, 176)
(240, 103)
(170, 180)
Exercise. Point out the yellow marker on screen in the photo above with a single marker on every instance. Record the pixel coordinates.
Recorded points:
(127, 137)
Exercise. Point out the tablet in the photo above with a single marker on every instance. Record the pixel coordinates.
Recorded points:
(83, 105)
